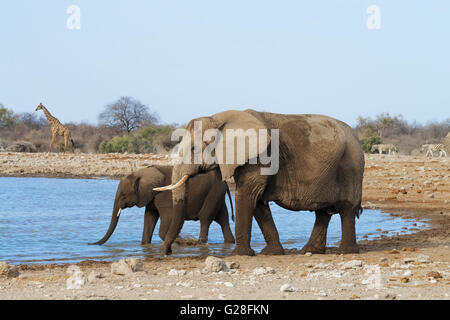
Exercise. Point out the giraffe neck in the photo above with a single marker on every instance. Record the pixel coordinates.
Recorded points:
(48, 115)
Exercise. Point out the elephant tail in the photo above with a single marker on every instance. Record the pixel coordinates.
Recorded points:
(231, 203)
(359, 211)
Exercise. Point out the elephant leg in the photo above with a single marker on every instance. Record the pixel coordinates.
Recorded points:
(208, 212)
(264, 218)
(318, 239)
(150, 219)
(204, 230)
(164, 214)
(348, 241)
(222, 220)
(250, 187)
(243, 229)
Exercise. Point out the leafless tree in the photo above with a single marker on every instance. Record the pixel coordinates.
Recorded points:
(127, 114)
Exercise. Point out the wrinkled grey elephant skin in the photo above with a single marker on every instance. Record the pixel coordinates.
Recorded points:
(321, 168)
(205, 202)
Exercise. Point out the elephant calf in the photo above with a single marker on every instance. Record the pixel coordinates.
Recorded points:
(206, 202)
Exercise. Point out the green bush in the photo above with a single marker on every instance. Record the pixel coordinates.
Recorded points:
(367, 143)
(119, 144)
(145, 140)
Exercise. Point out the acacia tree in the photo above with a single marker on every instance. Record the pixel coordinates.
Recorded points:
(127, 114)
(7, 117)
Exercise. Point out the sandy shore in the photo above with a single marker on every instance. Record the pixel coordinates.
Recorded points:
(407, 266)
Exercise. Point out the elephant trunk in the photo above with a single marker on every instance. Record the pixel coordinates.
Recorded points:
(112, 226)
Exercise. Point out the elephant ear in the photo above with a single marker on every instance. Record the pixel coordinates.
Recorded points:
(143, 183)
(243, 138)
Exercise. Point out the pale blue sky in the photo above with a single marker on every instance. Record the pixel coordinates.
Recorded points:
(191, 58)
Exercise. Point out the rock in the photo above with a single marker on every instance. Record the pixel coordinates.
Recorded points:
(402, 190)
(423, 258)
(308, 254)
(76, 280)
(408, 260)
(213, 264)
(322, 294)
(287, 288)
(8, 271)
(126, 266)
(121, 268)
(185, 284)
(352, 264)
(263, 271)
(135, 264)
(232, 265)
(175, 272)
(322, 266)
(407, 273)
(93, 276)
(434, 274)
(404, 279)
(73, 269)
(21, 146)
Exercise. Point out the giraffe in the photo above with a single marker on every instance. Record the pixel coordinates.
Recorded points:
(57, 128)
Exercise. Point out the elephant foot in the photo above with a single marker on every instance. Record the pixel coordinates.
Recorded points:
(312, 249)
(232, 241)
(202, 241)
(242, 251)
(167, 250)
(273, 250)
(348, 248)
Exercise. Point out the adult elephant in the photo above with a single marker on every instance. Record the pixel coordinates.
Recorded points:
(205, 202)
(321, 167)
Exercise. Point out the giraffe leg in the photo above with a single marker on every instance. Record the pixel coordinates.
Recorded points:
(53, 140)
(66, 140)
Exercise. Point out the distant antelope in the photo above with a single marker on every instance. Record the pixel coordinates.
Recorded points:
(432, 148)
(57, 128)
(389, 148)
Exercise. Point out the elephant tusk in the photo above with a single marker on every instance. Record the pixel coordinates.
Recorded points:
(173, 186)
(118, 213)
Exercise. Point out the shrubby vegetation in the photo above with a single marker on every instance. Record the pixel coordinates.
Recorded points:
(408, 137)
(134, 130)
(150, 139)
(127, 125)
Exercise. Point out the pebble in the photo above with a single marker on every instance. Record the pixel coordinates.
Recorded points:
(8, 271)
(322, 294)
(263, 271)
(352, 264)
(322, 266)
(434, 274)
(287, 288)
(126, 266)
(175, 272)
(407, 273)
(408, 260)
(94, 275)
(213, 264)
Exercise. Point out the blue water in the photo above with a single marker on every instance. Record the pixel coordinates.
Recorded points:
(45, 220)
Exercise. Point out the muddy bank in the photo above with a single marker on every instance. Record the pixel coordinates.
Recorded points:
(81, 165)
